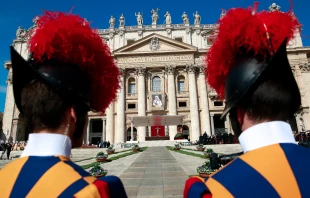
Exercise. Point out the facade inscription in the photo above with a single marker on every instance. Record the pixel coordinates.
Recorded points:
(155, 58)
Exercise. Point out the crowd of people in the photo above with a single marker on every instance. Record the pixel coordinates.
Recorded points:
(223, 138)
(303, 138)
(10, 146)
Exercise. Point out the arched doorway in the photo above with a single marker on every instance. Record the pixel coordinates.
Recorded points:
(129, 134)
(185, 130)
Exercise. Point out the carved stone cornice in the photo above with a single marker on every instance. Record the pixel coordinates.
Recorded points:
(111, 35)
(141, 71)
(191, 69)
(170, 70)
(304, 67)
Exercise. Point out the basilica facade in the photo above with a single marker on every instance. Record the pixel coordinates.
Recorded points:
(162, 74)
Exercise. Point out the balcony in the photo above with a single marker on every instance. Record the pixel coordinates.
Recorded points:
(132, 95)
(182, 92)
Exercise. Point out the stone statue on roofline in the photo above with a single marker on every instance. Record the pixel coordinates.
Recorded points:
(168, 20)
(185, 18)
(155, 16)
(112, 22)
(197, 18)
(122, 21)
(139, 18)
(274, 7)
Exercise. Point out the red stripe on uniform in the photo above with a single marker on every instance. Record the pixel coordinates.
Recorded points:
(102, 187)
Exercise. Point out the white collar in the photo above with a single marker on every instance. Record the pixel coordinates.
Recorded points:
(266, 134)
(47, 144)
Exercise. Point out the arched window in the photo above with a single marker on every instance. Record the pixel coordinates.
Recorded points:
(131, 86)
(156, 84)
(181, 83)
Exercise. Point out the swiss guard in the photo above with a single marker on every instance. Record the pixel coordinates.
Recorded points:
(69, 73)
(248, 67)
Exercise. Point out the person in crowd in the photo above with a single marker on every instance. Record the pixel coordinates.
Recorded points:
(261, 94)
(69, 73)
(9, 146)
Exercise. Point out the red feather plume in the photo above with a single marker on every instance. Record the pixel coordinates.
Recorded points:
(240, 28)
(68, 38)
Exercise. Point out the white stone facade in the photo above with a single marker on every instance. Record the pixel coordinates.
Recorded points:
(164, 61)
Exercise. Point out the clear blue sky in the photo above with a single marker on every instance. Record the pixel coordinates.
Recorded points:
(21, 12)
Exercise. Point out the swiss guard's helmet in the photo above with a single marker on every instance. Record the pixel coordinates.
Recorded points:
(248, 46)
(71, 58)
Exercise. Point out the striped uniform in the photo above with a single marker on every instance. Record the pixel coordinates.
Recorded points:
(54, 176)
(279, 170)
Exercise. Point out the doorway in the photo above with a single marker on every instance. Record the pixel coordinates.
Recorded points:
(95, 140)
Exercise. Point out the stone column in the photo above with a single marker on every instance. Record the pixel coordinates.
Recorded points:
(121, 111)
(204, 101)
(172, 99)
(103, 129)
(229, 125)
(193, 103)
(141, 102)
(212, 124)
(88, 131)
(110, 122)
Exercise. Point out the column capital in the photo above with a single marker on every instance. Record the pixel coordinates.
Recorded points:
(305, 67)
(141, 71)
(122, 70)
(211, 114)
(202, 69)
(170, 69)
(191, 69)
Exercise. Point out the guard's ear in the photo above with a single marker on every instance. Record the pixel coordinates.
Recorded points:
(73, 114)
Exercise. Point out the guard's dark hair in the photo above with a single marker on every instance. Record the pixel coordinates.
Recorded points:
(274, 97)
(43, 109)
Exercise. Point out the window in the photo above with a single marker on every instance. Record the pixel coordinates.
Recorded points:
(210, 41)
(218, 103)
(181, 83)
(179, 39)
(156, 84)
(182, 104)
(130, 41)
(131, 86)
(131, 105)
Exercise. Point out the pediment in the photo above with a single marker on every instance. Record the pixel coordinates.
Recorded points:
(155, 43)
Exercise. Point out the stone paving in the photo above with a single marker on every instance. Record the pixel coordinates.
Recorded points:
(155, 173)
(76, 154)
